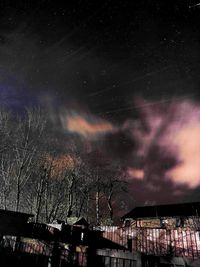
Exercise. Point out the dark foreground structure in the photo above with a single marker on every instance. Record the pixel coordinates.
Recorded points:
(164, 235)
(24, 243)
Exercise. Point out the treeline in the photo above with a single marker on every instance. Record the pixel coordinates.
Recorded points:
(41, 176)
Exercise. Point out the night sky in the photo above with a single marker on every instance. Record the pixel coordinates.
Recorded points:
(120, 77)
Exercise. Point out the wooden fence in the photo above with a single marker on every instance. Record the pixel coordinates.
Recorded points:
(117, 258)
(39, 253)
(178, 242)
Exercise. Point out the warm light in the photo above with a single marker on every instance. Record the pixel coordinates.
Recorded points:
(135, 173)
(174, 128)
(80, 125)
(59, 165)
(187, 141)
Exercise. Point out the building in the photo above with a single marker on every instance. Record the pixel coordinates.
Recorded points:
(166, 235)
(171, 216)
(13, 223)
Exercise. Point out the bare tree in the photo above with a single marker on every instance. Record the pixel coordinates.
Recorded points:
(38, 176)
(114, 183)
(57, 197)
(26, 149)
(6, 161)
(107, 181)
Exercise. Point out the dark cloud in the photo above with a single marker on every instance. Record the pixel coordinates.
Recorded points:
(120, 145)
(94, 59)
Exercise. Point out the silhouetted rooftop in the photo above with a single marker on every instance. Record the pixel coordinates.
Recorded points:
(15, 213)
(13, 222)
(169, 210)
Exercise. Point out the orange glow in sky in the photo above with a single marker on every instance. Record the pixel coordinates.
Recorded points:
(136, 173)
(59, 165)
(78, 124)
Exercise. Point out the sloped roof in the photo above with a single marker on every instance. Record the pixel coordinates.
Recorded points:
(15, 213)
(77, 221)
(81, 221)
(13, 223)
(169, 210)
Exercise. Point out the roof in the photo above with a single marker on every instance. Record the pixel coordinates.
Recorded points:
(169, 210)
(12, 222)
(77, 221)
(15, 213)
(82, 222)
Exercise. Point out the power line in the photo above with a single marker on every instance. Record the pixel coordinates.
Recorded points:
(132, 81)
(145, 105)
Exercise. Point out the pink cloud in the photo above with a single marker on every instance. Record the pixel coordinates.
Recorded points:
(86, 126)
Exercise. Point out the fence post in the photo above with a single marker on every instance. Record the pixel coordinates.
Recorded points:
(17, 244)
(55, 262)
(129, 244)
